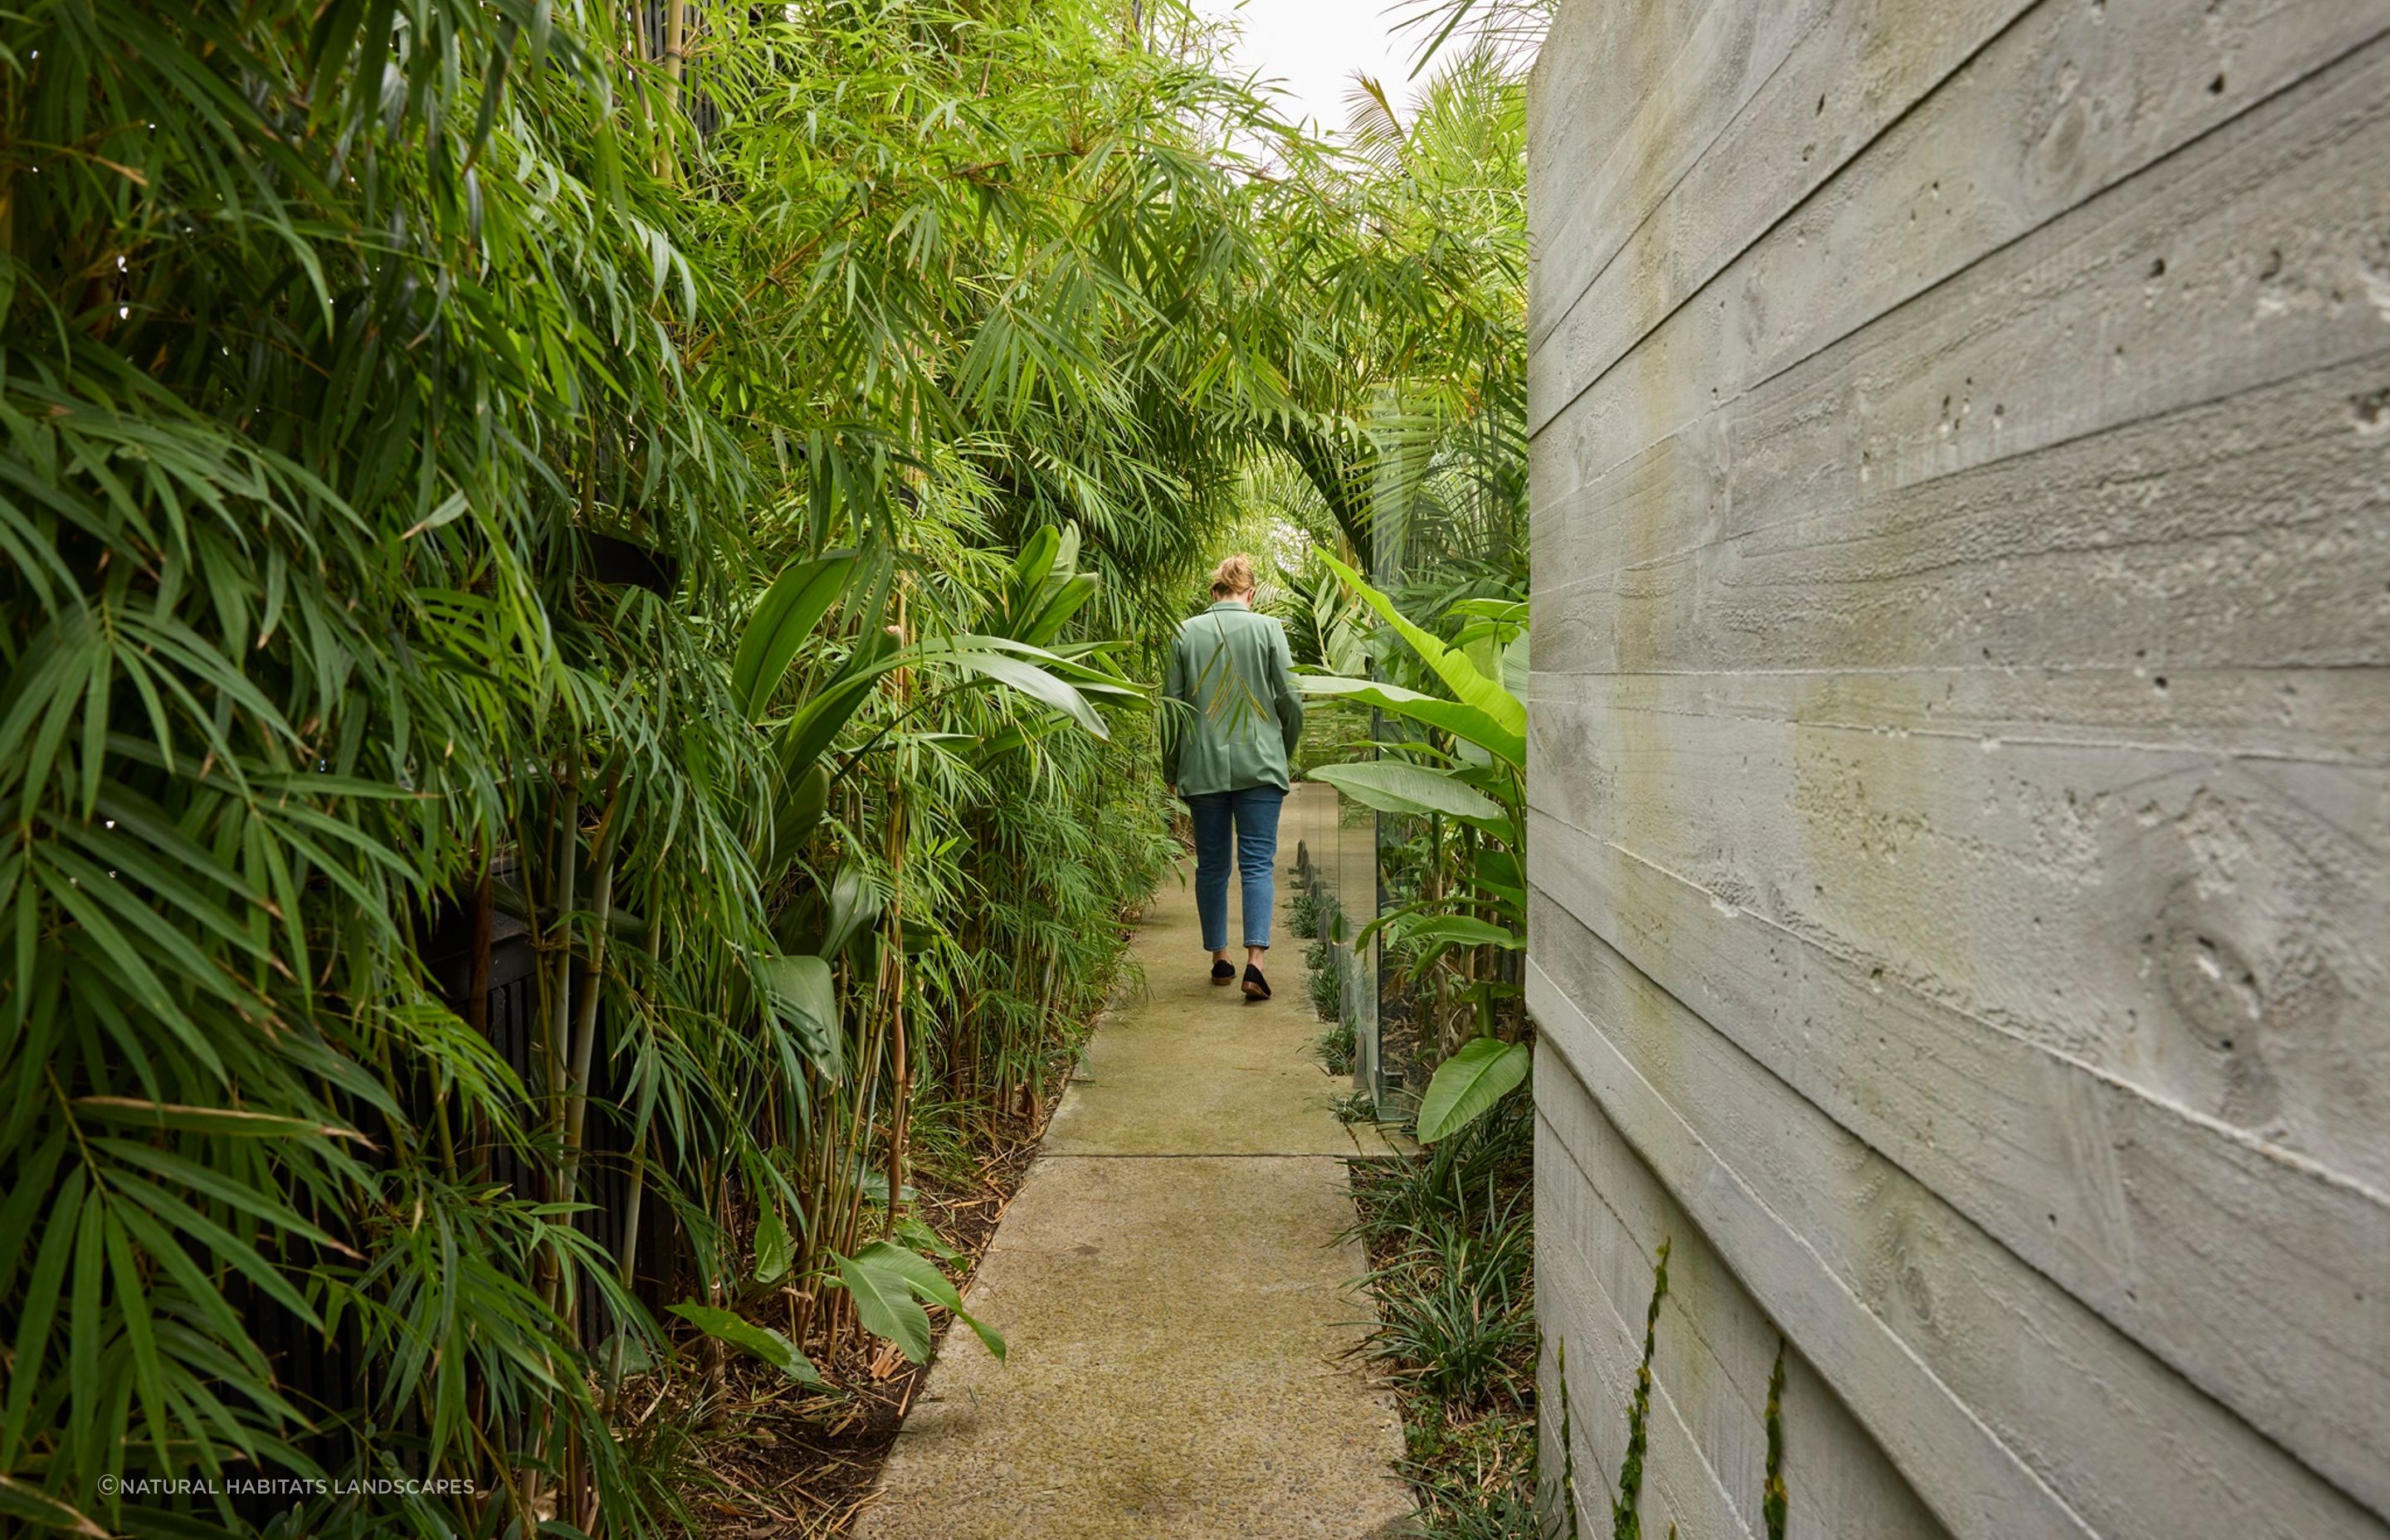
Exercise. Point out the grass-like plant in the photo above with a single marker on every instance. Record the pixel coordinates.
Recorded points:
(1323, 980)
(1336, 1048)
(1450, 1230)
(1453, 1321)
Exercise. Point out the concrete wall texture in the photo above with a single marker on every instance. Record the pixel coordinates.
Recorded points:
(1962, 759)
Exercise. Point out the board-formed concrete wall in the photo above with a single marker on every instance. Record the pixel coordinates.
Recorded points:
(1960, 759)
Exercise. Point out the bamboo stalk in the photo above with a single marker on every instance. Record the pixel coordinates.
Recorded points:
(556, 968)
(900, 1113)
(585, 1032)
(676, 50)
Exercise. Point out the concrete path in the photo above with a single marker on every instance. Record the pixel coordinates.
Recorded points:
(1171, 1289)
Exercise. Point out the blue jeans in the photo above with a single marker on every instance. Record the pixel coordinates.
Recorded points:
(1252, 814)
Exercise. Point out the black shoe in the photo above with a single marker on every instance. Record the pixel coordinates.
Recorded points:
(1223, 971)
(1256, 987)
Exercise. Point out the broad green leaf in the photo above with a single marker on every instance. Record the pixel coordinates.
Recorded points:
(1067, 601)
(817, 721)
(923, 1276)
(854, 906)
(1066, 551)
(787, 615)
(1463, 722)
(1462, 931)
(1040, 686)
(773, 1251)
(1466, 1087)
(804, 995)
(1516, 667)
(1030, 569)
(1458, 675)
(757, 1341)
(884, 1303)
(1399, 786)
(1503, 611)
(806, 804)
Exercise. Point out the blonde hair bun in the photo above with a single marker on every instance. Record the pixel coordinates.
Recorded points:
(1233, 576)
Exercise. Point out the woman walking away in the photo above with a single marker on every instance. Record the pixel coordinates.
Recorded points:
(1227, 755)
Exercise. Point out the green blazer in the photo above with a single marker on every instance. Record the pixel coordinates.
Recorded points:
(1242, 714)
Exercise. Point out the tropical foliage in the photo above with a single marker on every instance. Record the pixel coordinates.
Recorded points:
(1462, 773)
(655, 493)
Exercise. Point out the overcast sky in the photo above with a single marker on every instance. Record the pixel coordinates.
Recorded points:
(1312, 47)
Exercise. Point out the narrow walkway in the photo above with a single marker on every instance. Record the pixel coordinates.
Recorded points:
(1171, 1289)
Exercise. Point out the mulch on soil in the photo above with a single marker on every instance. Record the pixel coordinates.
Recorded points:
(792, 1462)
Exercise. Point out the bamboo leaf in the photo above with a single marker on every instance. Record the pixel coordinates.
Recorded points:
(210, 1119)
(37, 1506)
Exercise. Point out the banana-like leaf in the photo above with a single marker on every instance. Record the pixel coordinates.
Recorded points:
(1462, 721)
(884, 1303)
(854, 907)
(1067, 601)
(795, 814)
(1018, 665)
(1031, 568)
(1039, 685)
(1462, 931)
(787, 615)
(922, 1276)
(748, 1338)
(773, 1251)
(806, 804)
(803, 995)
(1399, 786)
(1016, 735)
(816, 723)
(1404, 921)
(1459, 675)
(1466, 1087)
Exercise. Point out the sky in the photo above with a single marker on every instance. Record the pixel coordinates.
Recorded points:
(1312, 47)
